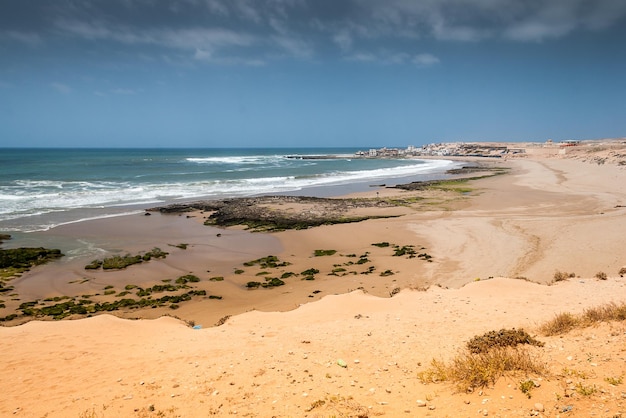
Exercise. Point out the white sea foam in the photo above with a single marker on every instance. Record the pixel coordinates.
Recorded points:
(37, 199)
(249, 159)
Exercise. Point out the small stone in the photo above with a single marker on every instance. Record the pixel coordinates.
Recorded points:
(539, 407)
(342, 363)
(388, 390)
(421, 403)
(431, 407)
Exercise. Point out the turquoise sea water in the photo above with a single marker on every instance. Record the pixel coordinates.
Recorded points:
(42, 188)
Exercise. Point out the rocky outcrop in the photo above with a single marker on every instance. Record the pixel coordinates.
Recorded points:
(273, 213)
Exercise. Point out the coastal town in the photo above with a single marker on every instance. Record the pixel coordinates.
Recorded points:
(459, 149)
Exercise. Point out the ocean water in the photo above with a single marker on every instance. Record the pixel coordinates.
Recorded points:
(43, 188)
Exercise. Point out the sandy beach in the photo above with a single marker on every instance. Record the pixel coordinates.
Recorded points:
(352, 341)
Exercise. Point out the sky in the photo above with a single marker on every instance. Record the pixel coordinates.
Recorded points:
(276, 73)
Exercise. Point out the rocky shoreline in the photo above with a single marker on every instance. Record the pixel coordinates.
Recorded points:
(283, 212)
(277, 213)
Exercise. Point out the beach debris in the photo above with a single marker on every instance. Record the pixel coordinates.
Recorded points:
(342, 363)
(197, 327)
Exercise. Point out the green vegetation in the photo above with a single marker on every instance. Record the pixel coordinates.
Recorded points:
(14, 261)
(381, 244)
(118, 262)
(585, 390)
(321, 253)
(270, 282)
(216, 279)
(88, 307)
(363, 260)
(408, 250)
(188, 278)
(309, 274)
(271, 261)
(526, 386)
(369, 270)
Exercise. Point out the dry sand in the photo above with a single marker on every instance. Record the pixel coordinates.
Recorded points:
(557, 210)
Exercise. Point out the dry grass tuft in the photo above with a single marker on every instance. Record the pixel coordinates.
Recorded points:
(562, 323)
(565, 322)
(470, 370)
(560, 276)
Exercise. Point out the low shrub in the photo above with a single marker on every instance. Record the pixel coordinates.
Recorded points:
(503, 338)
(560, 276)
